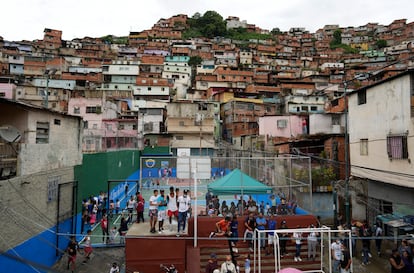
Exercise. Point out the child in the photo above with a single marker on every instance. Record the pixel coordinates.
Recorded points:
(87, 250)
(222, 228)
(140, 209)
(112, 234)
(247, 264)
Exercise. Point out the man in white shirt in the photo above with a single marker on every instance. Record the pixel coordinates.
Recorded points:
(228, 266)
(297, 236)
(130, 207)
(336, 250)
(153, 210)
(378, 238)
(184, 203)
(114, 268)
(312, 241)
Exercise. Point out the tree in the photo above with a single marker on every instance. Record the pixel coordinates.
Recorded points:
(275, 31)
(194, 61)
(381, 44)
(211, 24)
(337, 37)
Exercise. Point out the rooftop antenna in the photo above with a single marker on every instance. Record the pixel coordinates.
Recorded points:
(9, 133)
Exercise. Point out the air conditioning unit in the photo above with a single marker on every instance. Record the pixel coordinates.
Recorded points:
(282, 123)
(338, 129)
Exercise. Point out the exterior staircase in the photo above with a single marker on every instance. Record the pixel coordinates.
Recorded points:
(267, 262)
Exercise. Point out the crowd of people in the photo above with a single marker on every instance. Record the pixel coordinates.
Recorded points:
(241, 207)
(228, 266)
(401, 259)
(174, 206)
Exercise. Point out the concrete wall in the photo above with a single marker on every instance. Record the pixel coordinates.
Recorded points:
(28, 216)
(30, 206)
(386, 111)
(63, 147)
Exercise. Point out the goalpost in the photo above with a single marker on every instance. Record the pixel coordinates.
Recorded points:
(327, 236)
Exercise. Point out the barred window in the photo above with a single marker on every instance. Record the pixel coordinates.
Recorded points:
(397, 146)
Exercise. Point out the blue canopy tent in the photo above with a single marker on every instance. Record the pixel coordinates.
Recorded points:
(237, 182)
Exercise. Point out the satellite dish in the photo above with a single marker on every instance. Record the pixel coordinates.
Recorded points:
(9, 133)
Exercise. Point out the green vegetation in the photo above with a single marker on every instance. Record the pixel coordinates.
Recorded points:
(380, 44)
(337, 43)
(110, 39)
(211, 24)
(194, 61)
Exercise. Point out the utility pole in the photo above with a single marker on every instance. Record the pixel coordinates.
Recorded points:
(347, 208)
(48, 73)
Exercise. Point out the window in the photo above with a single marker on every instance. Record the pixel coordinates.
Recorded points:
(76, 110)
(313, 108)
(202, 107)
(93, 109)
(57, 121)
(336, 120)
(181, 123)
(282, 123)
(362, 97)
(42, 132)
(397, 146)
(149, 88)
(179, 137)
(363, 146)
(148, 126)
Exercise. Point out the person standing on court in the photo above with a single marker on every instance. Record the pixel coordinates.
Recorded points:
(184, 204)
(153, 210)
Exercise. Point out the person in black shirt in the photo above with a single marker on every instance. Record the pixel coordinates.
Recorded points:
(72, 250)
(283, 239)
(345, 259)
(397, 265)
(250, 225)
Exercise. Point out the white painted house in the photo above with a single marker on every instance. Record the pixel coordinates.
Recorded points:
(381, 137)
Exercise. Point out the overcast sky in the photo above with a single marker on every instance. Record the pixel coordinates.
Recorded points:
(26, 19)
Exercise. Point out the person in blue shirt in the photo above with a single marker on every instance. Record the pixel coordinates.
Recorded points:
(234, 228)
(271, 225)
(162, 208)
(261, 225)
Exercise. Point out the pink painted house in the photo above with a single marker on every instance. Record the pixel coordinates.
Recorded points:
(7, 91)
(282, 126)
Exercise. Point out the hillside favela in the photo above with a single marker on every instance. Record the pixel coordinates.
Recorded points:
(209, 145)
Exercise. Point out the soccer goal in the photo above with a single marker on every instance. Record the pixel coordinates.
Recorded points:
(323, 263)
